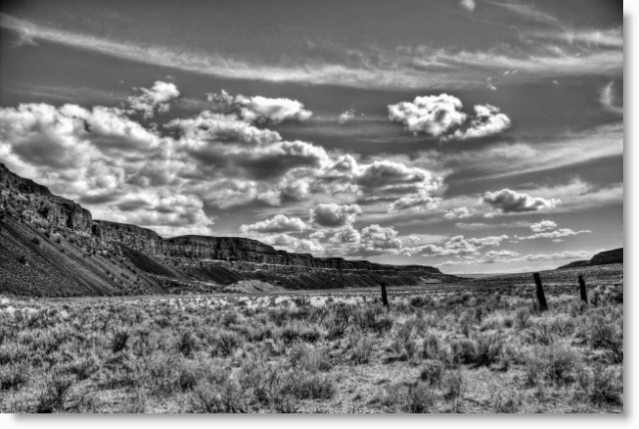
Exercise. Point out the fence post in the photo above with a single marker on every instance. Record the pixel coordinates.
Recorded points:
(384, 298)
(541, 298)
(582, 289)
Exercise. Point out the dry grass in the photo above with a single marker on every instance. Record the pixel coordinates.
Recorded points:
(458, 353)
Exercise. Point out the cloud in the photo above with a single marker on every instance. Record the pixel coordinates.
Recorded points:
(441, 116)
(506, 256)
(457, 246)
(376, 240)
(335, 215)
(420, 201)
(156, 98)
(293, 244)
(508, 201)
(346, 116)
(529, 12)
(477, 226)
(608, 99)
(434, 115)
(260, 109)
(468, 5)
(562, 232)
(543, 226)
(209, 126)
(390, 179)
(488, 121)
(346, 234)
(458, 213)
(507, 160)
(404, 67)
(278, 223)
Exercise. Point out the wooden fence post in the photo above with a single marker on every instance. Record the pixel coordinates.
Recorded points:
(541, 298)
(384, 297)
(582, 289)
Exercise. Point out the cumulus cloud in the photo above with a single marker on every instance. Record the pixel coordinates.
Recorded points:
(468, 5)
(261, 109)
(155, 98)
(346, 234)
(508, 201)
(208, 126)
(335, 215)
(457, 246)
(214, 161)
(488, 121)
(458, 213)
(278, 223)
(377, 240)
(409, 187)
(544, 225)
(346, 116)
(293, 244)
(441, 116)
(433, 115)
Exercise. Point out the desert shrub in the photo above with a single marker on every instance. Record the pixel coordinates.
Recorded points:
(488, 349)
(604, 335)
(22, 259)
(432, 372)
(52, 398)
(187, 343)
(226, 343)
(226, 397)
(310, 386)
(505, 401)
(36, 241)
(310, 358)
(419, 399)
(554, 363)
(522, 317)
(118, 343)
(13, 377)
(600, 385)
(403, 347)
(431, 347)
(453, 388)
(82, 367)
(362, 352)
(188, 378)
(463, 351)
(539, 334)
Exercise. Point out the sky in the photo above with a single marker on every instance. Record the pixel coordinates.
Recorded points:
(476, 136)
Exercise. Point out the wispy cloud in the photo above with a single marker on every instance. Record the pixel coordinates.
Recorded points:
(404, 67)
(528, 12)
(608, 99)
(508, 160)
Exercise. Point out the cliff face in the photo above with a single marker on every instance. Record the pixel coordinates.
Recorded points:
(614, 256)
(609, 257)
(32, 199)
(174, 264)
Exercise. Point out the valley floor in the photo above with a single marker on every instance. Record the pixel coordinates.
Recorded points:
(462, 352)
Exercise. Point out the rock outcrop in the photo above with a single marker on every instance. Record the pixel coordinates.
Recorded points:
(32, 199)
(614, 256)
(174, 264)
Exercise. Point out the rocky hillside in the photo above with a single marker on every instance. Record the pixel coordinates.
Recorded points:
(614, 256)
(51, 246)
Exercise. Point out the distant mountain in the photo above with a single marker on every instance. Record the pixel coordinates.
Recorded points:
(614, 256)
(51, 246)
